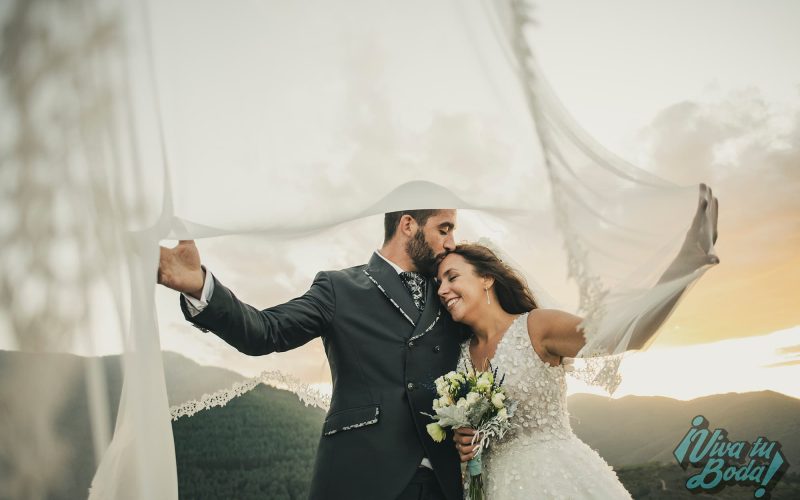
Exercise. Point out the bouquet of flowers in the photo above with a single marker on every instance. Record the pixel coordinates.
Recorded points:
(474, 399)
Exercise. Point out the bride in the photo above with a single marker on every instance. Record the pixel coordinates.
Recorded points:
(541, 457)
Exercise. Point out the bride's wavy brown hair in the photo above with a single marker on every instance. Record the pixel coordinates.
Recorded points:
(510, 287)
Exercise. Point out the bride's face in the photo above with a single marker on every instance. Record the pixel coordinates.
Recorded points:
(461, 290)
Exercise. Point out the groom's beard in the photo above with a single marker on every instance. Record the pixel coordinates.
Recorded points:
(421, 254)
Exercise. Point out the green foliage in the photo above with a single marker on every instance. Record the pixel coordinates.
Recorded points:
(260, 445)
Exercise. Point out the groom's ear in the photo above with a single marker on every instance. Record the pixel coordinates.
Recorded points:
(408, 226)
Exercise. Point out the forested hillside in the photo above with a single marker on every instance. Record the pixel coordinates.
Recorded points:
(260, 445)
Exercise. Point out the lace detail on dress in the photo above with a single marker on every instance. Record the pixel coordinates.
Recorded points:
(540, 457)
(539, 388)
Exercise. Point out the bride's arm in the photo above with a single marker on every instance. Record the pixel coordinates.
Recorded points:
(696, 252)
(555, 334)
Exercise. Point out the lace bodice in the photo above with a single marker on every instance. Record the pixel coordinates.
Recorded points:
(539, 388)
(540, 457)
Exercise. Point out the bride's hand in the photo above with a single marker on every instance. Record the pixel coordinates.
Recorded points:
(463, 438)
(697, 249)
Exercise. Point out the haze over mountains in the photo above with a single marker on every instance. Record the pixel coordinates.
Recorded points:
(627, 431)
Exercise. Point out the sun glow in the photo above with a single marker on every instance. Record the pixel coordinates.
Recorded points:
(766, 362)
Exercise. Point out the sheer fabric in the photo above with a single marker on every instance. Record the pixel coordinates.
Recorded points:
(131, 123)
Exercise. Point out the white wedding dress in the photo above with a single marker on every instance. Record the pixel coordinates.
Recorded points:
(540, 457)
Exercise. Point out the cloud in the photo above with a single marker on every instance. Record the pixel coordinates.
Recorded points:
(789, 349)
(784, 363)
(739, 136)
(748, 150)
(792, 352)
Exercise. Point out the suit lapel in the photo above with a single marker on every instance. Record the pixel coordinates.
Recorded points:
(385, 277)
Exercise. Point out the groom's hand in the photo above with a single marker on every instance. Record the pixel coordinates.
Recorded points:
(463, 438)
(179, 269)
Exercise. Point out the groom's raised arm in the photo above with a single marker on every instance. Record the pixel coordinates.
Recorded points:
(249, 330)
(276, 329)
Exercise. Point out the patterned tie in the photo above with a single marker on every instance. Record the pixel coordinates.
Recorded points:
(416, 286)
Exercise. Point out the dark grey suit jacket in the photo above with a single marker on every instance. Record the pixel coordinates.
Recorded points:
(384, 356)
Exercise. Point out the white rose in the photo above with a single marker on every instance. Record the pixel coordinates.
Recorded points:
(483, 383)
(497, 400)
(461, 403)
(445, 400)
(472, 398)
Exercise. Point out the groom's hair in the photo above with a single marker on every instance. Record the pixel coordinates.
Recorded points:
(392, 219)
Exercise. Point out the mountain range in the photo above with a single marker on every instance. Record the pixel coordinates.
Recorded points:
(261, 445)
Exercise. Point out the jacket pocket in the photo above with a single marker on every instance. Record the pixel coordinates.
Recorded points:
(351, 418)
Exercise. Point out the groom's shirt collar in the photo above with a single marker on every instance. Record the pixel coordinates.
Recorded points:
(394, 266)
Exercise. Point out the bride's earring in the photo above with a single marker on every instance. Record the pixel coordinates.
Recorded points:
(487, 296)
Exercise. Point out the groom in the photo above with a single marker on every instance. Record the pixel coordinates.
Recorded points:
(386, 337)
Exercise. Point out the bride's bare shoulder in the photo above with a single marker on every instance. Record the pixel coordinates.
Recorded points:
(548, 327)
(540, 322)
(547, 319)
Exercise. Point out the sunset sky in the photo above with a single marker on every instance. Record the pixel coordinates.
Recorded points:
(693, 91)
(700, 91)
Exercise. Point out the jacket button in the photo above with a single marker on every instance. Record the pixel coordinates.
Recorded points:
(410, 343)
(410, 386)
(436, 348)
